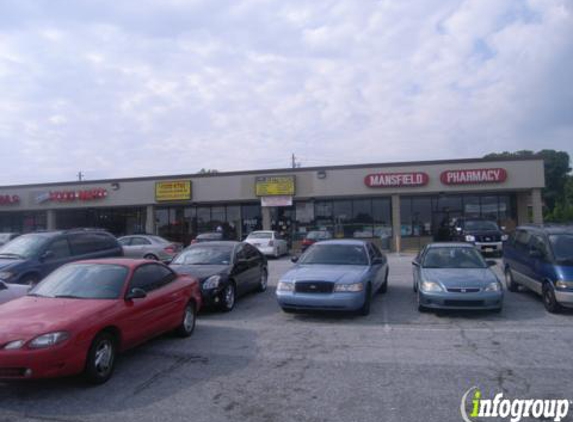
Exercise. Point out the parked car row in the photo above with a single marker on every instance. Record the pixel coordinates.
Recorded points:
(83, 313)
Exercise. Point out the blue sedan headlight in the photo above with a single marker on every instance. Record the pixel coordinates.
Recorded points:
(430, 286)
(353, 287)
(283, 286)
(493, 287)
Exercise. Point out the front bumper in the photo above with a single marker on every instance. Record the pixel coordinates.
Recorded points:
(470, 301)
(65, 360)
(339, 301)
(212, 297)
(564, 298)
(489, 247)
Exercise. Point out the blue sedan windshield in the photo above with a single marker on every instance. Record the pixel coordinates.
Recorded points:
(335, 255)
(453, 257)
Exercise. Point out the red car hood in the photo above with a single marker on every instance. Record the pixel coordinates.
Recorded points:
(27, 317)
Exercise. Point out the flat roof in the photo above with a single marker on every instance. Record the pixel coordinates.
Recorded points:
(535, 157)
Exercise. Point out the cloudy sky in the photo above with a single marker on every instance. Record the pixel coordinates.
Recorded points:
(145, 87)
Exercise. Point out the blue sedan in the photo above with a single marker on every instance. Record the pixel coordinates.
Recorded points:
(455, 276)
(334, 275)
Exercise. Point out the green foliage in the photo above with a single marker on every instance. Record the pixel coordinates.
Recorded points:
(207, 171)
(556, 164)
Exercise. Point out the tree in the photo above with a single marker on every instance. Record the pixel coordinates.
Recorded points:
(556, 165)
(207, 171)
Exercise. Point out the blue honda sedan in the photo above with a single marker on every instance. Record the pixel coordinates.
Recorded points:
(455, 276)
(334, 275)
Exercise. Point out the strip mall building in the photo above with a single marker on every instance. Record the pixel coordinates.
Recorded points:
(401, 205)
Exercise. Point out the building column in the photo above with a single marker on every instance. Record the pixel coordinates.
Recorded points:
(150, 219)
(396, 223)
(537, 206)
(266, 214)
(522, 208)
(51, 220)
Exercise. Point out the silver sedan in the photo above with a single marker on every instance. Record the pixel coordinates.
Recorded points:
(149, 247)
(455, 276)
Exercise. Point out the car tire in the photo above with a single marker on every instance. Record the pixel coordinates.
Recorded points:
(497, 310)
(100, 361)
(549, 300)
(288, 310)
(151, 257)
(512, 286)
(384, 287)
(422, 309)
(188, 321)
(263, 281)
(228, 297)
(365, 309)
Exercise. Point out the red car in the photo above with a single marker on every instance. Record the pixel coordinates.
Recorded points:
(80, 316)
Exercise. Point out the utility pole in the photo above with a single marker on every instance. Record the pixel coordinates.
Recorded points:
(294, 163)
(80, 175)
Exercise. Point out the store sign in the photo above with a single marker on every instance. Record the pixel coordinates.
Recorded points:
(275, 186)
(276, 201)
(9, 199)
(72, 195)
(473, 176)
(173, 190)
(396, 180)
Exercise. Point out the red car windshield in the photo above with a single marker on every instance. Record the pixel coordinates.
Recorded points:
(83, 281)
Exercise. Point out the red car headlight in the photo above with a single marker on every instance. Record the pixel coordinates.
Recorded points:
(48, 340)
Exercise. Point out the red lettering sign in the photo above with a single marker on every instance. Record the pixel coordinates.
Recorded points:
(473, 176)
(82, 195)
(9, 199)
(396, 180)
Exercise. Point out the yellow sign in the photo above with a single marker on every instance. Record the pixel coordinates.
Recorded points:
(274, 185)
(173, 190)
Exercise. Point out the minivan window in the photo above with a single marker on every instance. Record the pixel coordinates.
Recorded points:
(86, 243)
(24, 247)
(59, 248)
(562, 245)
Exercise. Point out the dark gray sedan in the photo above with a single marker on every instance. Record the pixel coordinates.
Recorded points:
(455, 276)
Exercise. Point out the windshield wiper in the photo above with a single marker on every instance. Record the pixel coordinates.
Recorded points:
(36, 295)
(15, 255)
(68, 297)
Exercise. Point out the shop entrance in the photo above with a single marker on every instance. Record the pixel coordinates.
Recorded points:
(282, 221)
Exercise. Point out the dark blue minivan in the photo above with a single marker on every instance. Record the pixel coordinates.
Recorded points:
(541, 259)
(30, 257)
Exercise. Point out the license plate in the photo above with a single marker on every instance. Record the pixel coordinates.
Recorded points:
(488, 249)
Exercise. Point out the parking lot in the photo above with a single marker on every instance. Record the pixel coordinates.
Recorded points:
(260, 364)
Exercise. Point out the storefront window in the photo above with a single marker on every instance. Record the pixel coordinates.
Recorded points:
(323, 216)
(233, 222)
(203, 219)
(421, 216)
(23, 223)
(304, 219)
(472, 207)
(342, 213)
(252, 219)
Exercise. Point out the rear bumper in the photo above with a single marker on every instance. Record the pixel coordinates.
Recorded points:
(47, 363)
(470, 301)
(321, 301)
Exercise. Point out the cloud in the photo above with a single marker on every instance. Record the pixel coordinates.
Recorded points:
(124, 89)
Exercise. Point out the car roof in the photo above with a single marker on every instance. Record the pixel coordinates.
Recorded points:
(261, 231)
(215, 243)
(450, 245)
(126, 262)
(355, 242)
(549, 228)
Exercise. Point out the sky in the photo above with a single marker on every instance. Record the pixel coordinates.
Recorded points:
(144, 87)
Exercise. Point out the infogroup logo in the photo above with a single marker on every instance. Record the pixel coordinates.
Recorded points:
(475, 406)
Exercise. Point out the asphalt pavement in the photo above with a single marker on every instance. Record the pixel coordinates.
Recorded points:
(260, 364)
